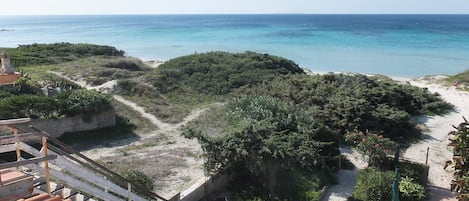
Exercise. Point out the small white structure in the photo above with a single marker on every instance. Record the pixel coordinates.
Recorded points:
(6, 66)
(7, 73)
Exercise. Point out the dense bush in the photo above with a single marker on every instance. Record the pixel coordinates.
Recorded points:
(126, 64)
(376, 184)
(140, 179)
(345, 102)
(218, 72)
(410, 191)
(54, 53)
(373, 185)
(265, 135)
(418, 172)
(297, 184)
(28, 106)
(39, 106)
(342, 102)
(374, 147)
(83, 101)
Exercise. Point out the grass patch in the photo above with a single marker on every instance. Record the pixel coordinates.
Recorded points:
(141, 124)
(213, 121)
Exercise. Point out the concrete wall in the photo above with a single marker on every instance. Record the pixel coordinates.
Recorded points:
(203, 188)
(83, 122)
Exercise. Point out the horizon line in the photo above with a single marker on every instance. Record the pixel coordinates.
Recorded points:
(111, 14)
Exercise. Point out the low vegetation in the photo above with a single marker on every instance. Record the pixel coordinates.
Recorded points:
(39, 106)
(460, 80)
(342, 102)
(266, 136)
(460, 162)
(276, 123)
(373, 185)
(39, 54)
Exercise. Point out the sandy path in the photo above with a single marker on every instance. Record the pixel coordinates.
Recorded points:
(346, 178)
(167, 143)
(436, 139)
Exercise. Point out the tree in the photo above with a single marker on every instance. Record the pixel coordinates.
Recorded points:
(266, 134)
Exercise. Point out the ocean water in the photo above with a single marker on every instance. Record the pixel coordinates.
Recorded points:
(396, 45)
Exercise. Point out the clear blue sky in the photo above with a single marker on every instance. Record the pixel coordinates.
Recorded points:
(31, 7)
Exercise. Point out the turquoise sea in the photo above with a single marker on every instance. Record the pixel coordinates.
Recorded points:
(396, 45)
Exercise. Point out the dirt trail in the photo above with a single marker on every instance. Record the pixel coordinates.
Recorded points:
(171, 152)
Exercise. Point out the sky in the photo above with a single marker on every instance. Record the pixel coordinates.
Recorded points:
(58, 7)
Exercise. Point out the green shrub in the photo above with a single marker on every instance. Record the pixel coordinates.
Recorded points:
(28, 106)
(126, 64)
(83, 101)
(37, 54)
(218, 73)
(410, 191)
(418, 172)
(373, 185)
(140, 179)
(374, 147)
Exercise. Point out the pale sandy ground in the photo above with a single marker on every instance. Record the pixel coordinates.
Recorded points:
(153, 63)
(164, 149)
(436, 139)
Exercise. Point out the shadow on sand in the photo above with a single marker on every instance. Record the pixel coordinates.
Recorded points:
(436, 193)
(106, 137)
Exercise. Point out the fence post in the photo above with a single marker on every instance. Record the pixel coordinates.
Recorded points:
(426, 159)
(129, 188)
(46, 163)
(18, 147)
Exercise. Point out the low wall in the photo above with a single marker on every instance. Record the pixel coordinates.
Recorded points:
(203, 188)
(82, 122)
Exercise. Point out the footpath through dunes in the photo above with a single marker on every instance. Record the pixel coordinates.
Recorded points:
(173, 161)
(435, 138)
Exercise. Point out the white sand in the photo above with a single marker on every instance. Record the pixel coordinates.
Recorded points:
(436, 139)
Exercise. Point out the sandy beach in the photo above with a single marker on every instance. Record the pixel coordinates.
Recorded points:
(435, 138)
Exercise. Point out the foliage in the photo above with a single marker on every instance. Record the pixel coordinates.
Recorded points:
(264, 135)
(345, 102)
(410, 191)
(460, 162)
(262, 130)
(374, 147)
(37, 54)
(39, 106)
(28, 106)
(373, 185)
(140, 179)
(417, 171)
(83, 101)
(460, 78)
(342, 102)
(302, 185)
(297, 184)
(131, 64)
(218, 73)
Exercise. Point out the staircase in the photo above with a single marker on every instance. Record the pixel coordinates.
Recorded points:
(60, 173)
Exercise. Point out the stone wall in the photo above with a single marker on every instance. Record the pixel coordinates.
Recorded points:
(83, 122)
